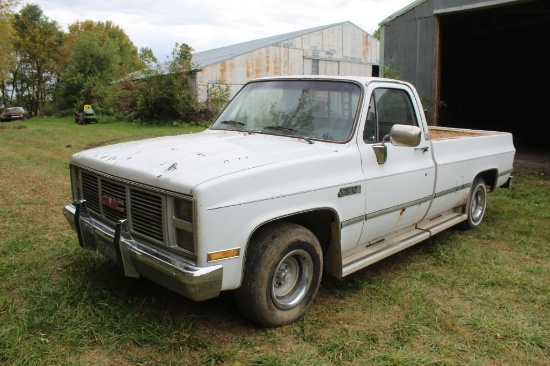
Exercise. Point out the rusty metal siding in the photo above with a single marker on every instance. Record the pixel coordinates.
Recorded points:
(354, 45)
(332, 42)
(351, 68)
(330, 68)
(284, 61)
(308, 66)
(314, 41)
(343, 49)
(296, 62)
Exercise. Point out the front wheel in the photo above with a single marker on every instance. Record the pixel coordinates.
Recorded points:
(283, 270)
(476, 205)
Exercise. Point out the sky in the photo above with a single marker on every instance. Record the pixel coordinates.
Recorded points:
(209, 24)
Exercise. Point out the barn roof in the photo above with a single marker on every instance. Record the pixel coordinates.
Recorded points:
(451, 6)
(214, 56)
(202, 59)
(401, 12)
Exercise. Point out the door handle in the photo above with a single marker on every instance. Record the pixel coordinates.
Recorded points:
(423, 148)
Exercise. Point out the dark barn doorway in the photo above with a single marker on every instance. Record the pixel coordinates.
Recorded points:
(495, 71)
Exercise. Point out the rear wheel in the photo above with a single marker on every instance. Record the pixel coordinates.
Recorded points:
(476, 205)
(283, 270)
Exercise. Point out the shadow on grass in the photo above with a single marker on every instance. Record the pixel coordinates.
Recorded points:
(143, 309)
(98, 287)
(393, 273)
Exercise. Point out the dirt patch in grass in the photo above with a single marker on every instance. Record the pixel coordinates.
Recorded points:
(536, 162)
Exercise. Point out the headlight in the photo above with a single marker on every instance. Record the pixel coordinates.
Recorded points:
(183, 209)
(183, 224)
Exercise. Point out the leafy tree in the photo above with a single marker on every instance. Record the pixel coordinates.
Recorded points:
(377, 33)
(6, 41)
(392, 72)
(104, 33)
(218, 96)
(37, 43)
(97, 54)
(7, 56)
(147, 56)
(180, 69)
(90, 66)
(161, 92)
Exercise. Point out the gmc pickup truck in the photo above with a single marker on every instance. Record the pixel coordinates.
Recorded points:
(298, 177)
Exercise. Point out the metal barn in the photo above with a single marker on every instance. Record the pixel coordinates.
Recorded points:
(336, 49)
(476, 64)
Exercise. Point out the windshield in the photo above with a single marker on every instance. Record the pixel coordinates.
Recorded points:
(308, 109)
(13, 109)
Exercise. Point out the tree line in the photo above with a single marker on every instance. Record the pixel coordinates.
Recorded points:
(51, 72)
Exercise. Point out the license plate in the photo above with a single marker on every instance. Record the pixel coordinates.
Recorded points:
(106, 249)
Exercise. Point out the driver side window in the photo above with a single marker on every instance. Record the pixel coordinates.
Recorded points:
(386, 108)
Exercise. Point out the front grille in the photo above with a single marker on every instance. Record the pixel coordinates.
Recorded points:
(146, 217)
(114, 201)
(90, 191)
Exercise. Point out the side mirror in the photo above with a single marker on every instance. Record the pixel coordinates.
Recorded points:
(400, 135)
(381, 153)
(405, 135)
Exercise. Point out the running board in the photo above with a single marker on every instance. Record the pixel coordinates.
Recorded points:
(374, 253)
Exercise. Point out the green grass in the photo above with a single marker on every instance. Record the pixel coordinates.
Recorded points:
(479, 297)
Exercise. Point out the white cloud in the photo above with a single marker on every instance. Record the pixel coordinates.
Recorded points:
(208, 24)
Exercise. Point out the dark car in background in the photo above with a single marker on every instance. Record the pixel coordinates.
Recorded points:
(14, 114)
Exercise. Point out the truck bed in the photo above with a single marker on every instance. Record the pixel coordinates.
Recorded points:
(442, 133)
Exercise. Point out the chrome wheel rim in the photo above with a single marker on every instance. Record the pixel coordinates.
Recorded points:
(292, 279)
(479, 201)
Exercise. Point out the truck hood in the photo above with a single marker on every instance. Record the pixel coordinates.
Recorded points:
(180, 163)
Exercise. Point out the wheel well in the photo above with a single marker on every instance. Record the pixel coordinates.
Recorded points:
(325, 225)
(490, 178)
(317, 221)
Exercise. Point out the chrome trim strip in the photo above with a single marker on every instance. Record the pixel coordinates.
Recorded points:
(389, 210)
(372, 215)
(453, 190)
(352, 221)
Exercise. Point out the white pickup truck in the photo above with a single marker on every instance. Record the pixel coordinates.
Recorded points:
(299, 176)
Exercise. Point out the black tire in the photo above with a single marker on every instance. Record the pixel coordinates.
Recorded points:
(476, 205)
(283, 270)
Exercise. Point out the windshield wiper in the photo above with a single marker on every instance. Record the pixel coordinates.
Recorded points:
(233, 123)
(289, 129)
(240, 125)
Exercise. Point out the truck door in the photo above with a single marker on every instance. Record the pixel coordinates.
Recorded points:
(398, 192)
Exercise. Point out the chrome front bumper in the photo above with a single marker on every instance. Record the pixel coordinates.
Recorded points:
(137, 259)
